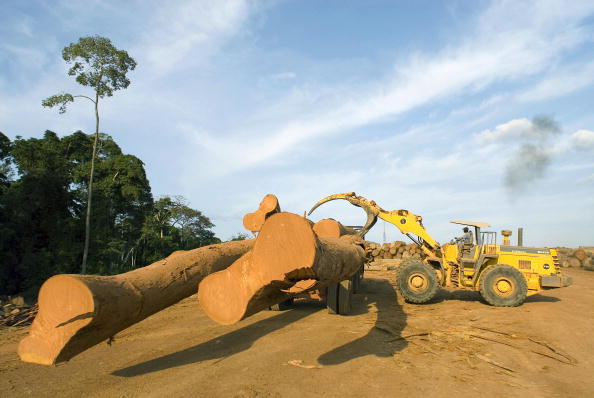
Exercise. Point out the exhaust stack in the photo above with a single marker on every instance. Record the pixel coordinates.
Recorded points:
(506, 234)
(520, 236)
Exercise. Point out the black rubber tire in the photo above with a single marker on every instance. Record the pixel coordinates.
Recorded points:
(345, 295)
(339, 297)
(510, 276)
(413, 268)
(285, 305)
(357, 278)
(332, 299)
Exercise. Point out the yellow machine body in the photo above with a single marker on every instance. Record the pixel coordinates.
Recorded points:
(461, 265)
(533, 263)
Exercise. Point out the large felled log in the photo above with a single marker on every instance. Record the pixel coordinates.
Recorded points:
(78, 311)
(287, 259)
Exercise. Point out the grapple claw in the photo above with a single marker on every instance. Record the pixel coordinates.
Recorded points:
(370, 207)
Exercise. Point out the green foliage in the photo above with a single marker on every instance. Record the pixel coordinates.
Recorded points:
(5, 170)
(97, 63)
(239, 236)
(43, 233)
(60, 100)
(174, 225)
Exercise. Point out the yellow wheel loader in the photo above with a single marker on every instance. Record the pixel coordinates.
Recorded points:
(503, 274)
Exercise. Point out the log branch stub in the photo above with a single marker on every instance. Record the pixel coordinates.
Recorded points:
(77, 312)
(268, 206)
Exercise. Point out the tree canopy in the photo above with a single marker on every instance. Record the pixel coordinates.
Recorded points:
(43, 183)
(96, 63)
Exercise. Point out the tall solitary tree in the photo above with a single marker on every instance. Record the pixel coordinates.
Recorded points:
(96, 63)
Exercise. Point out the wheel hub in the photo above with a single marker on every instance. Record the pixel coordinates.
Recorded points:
(503, 287)
(417, 282)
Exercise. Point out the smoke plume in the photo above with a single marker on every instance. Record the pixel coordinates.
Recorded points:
(529, 162)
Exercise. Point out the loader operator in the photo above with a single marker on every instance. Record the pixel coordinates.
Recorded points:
(467, 237)
(465, 242)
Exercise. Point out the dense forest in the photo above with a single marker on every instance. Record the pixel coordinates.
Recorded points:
(43, 195)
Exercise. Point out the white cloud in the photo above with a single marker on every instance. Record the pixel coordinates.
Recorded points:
(560, 83)
(513, 129)
(536, 35)
(583, 140)
(188, 33)
(586, 179)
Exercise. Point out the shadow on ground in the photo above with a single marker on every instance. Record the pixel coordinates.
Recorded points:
(220, 346)
(384, 338)
(470, 295)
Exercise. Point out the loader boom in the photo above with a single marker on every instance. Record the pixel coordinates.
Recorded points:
(408, 223)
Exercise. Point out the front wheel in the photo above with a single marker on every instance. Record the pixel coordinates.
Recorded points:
(503, 286)
(416, 281)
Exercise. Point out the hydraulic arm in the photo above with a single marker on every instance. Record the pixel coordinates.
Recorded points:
(408, 223)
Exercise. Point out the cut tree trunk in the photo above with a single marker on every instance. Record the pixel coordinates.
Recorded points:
(78, 311)
(287, 259)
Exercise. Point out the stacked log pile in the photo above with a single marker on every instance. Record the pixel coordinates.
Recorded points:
(582, 257)
(393, 250)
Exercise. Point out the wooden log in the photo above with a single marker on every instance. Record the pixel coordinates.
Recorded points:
(78, 311)
(268, 206)
(330, 228)
(574, 262)
(287, 259)
(580, 254)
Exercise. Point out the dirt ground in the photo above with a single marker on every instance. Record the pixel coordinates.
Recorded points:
(454, 345)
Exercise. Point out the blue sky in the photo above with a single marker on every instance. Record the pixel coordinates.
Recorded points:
(435, 107)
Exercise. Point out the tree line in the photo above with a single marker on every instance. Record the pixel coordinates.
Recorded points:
(43, 202)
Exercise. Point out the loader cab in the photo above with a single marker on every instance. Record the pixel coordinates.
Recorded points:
(482, 240)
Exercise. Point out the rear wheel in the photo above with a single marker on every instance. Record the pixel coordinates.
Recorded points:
(416, 281)
(338, 297)
(503, 286)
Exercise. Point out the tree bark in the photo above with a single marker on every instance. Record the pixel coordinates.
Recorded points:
(83, 269)
(78, 311)
(287, 259)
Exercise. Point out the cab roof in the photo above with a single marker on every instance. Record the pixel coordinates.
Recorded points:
(472, 223)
